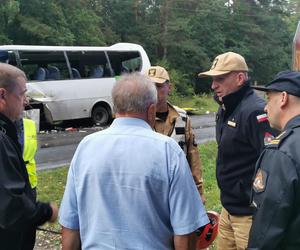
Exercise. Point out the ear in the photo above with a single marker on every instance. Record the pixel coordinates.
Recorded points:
(284, 99)
(151, 113)
(241, 78)
(170, 88)
(2, 93)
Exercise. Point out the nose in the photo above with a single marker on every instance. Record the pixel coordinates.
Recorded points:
(214, 85)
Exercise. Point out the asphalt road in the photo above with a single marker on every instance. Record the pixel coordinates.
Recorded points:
(56, 148)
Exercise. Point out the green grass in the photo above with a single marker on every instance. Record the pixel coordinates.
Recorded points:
(202, 103)
(51, 185)
(208, 152)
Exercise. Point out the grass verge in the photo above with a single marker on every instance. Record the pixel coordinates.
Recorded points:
(202, 104)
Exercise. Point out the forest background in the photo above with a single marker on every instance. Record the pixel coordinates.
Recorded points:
(182, 35)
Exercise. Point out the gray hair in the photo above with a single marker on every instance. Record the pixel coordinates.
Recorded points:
(133, 93)
(8, 76)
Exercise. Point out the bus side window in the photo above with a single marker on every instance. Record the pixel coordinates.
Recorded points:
(125, 62)
(44, 65)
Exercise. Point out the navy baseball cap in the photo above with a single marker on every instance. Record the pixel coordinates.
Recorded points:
(288, 81)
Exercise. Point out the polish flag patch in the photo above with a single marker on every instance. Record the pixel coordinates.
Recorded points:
(268, 138)
(262, 118)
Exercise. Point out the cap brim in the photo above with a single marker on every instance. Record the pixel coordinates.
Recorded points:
(213, 73)
(260, 88)
(158, 80)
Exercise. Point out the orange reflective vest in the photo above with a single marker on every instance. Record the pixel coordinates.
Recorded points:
(29, 150)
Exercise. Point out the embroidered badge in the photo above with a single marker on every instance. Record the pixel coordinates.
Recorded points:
(214, 64)
(152, 72)
(231, 124)
(259, 183)
(268, 138)
(262, 118)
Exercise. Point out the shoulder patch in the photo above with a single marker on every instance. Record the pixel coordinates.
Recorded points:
(262, 118)
(268, 137)
(259, 183)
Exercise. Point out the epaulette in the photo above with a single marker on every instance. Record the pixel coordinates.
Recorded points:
(179, 110)
(275, 143)
(182, 113)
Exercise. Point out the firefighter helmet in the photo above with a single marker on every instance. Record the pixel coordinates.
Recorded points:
(207, 234)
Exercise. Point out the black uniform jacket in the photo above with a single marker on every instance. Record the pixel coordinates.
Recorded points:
(276, 193)
(18, 210)
(241, 130)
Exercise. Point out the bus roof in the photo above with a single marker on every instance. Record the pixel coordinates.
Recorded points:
(117, 46)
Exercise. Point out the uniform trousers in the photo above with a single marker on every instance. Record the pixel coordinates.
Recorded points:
(233, 231)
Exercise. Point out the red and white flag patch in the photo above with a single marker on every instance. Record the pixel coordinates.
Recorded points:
(268, 138)
(262, 118)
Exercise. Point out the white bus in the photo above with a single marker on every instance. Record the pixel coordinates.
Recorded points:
(67, 83)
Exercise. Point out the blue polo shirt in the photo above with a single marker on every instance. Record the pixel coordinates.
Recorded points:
(129, 187)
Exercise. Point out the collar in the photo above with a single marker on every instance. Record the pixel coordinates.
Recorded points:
(172, 116)
(7, 127)
(130, 121)
(293, 123)
(232, 100)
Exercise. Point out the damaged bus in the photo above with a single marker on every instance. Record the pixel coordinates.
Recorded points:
(67, 83)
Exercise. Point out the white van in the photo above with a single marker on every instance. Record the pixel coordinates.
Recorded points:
(67, 83)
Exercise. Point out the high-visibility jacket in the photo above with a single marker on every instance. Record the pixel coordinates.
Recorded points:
(29, 150)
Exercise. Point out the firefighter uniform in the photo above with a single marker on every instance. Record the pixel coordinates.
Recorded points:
(178, 126)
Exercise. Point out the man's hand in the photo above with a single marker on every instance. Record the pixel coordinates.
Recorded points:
(54, 212)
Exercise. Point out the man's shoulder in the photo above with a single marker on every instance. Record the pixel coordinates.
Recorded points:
(289, 139)
(180, 112)
(253, 102)
(252, 109)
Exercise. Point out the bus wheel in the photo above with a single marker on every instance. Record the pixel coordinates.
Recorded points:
(100, 116)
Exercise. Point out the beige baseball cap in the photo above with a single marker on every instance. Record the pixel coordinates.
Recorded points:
(226, 63)
(158, 74)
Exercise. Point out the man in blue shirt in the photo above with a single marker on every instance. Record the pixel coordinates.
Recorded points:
(127, 185)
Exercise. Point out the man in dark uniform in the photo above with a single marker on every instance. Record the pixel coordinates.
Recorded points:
(242, 130)
(276, 186)
(19, 212)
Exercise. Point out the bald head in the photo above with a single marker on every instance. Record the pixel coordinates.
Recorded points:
(8, 76)
(12, 91)
(133, 93)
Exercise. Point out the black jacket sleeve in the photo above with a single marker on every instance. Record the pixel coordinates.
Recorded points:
(259, 130)
(17, 208)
